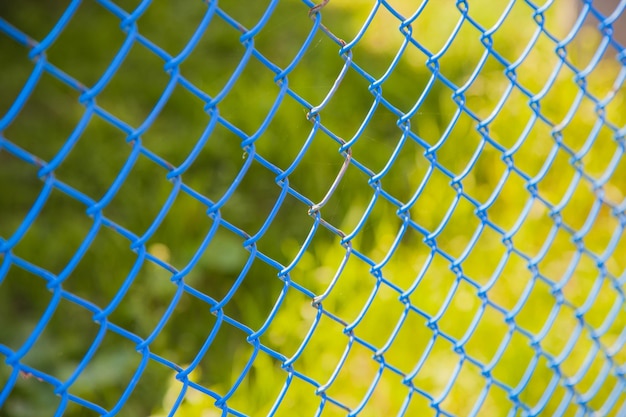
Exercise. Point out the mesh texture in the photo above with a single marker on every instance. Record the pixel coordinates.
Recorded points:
(289, 208)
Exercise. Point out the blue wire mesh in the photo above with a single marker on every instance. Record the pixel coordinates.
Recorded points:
(417, 210)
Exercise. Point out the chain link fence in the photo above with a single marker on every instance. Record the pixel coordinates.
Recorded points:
(289, 208)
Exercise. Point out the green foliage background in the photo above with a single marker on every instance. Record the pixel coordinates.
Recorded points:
(85, 49)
